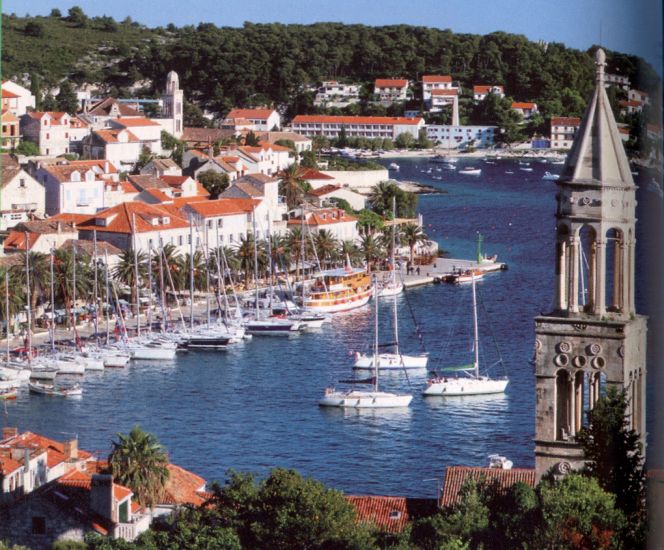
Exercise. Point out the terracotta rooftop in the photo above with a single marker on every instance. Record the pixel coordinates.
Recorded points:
(391, 83)
(103, 108)
(119, 219)
(436, 79)
(55, 115)
(321, 191)
(485, 88)
(147, 182)
(313, 174)
(565, 121)
(223, 207)
(456, 476)
(391, 514)
(8, 94)
(523, 105)
(256, 114)
(324, 216)
(271, 137)
(445, 91)
(87, 247)
(184, 487)
(63, 172)
(111, 136)
(137, 121)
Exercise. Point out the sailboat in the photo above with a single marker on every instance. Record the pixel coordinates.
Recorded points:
(374, 399)
(472, 383)
(270, 326)
(393, 286)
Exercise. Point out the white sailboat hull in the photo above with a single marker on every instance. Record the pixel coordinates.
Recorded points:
(465, 386)
(364, 400)
(152, 353)
(272, 328)
(69, 367)
(390, 290)
(388, 361)
(118, 361)
(44, 373)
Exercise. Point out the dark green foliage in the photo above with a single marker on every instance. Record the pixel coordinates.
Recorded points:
(289, 143)
(341, 203)
(77, 16)
(615, 459)
(34, 28)
(308, 160)
(215, 183)
(382, 196)
(69, 545)
(27, 148)
(368, 221)
(55, 12)
(66, 98)
(251, 139)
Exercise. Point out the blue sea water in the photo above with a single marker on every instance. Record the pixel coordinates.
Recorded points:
(254, 407)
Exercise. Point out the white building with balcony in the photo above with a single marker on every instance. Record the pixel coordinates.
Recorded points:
(21, 195)
(332, 93)
(391, 90)
(459, 137)
(356, 126)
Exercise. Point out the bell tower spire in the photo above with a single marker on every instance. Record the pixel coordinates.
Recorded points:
(593, 337)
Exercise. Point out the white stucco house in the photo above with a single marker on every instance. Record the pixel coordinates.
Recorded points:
(262, 120)
(21, 195)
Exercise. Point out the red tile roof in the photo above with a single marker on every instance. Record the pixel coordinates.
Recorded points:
(391, 83)
(55, 115)
(63, 172)
(445, 91)
(485, 88)
(390, 514)
(256, 114)
(184, 487)
(8, 93)
(313, 174)
(8, 465)
(565, 121)
(174, 181)
(120, 219)
(329, 188)
(633, 103)
(111, 136)
(456, 476)
(523, 105)
(70, 218)
(138, 121)
(385, 120)
(223, 207)
(16, 240)
(432, 78)
(103, 108)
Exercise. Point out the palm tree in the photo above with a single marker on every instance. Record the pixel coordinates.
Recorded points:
(139, 462)
(15, 296)
(371, 250)
(327, 246)
(381, 197)
(351, 251)
(39, 277)
(64, 275)
(244, 252)
(413, 234)
(199, 270)
(280, 254)
(293, 186)
(293, 242)
(125, 272)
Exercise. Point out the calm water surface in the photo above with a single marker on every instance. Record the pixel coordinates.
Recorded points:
(255, 407)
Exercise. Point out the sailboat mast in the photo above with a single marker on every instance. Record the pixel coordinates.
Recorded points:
(475, 330)
(191, 273)
(73, 290)
(162, 295)
(206, 249)
(96, 284)
(108, 298)
(253, 224)
(271, 267)
(149, 287)
(7, 310)
(375, 354)
(138, 297)
(52, 303)
(302, 253)
(394, 277)
(29, 298)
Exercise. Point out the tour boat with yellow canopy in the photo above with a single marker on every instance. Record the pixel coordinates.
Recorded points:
(340, 289)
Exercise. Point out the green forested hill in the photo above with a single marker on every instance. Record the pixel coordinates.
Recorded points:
(222, 67)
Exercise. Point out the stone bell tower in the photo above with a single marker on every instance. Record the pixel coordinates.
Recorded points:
(593, 338)
(173, 99)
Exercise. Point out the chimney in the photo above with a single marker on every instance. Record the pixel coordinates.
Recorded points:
(101, 496)
(106, 168)
(26, 458)
(71, 449)
(9, 432)
(58, 227)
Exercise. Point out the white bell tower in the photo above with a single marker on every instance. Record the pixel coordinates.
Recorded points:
(173, 99)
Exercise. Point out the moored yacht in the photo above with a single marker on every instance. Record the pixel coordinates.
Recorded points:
(338, 290)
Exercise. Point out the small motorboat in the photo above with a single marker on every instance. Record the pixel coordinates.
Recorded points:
(470, 171)
(50, 389)
(8, 393)
(464, 276)
(548, 176)
(525, 168)
(393, 166)
(509, 171)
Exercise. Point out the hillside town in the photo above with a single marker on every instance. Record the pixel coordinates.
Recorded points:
(130, 237)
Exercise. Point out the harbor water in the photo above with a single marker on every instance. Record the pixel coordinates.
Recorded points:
(254, 407)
